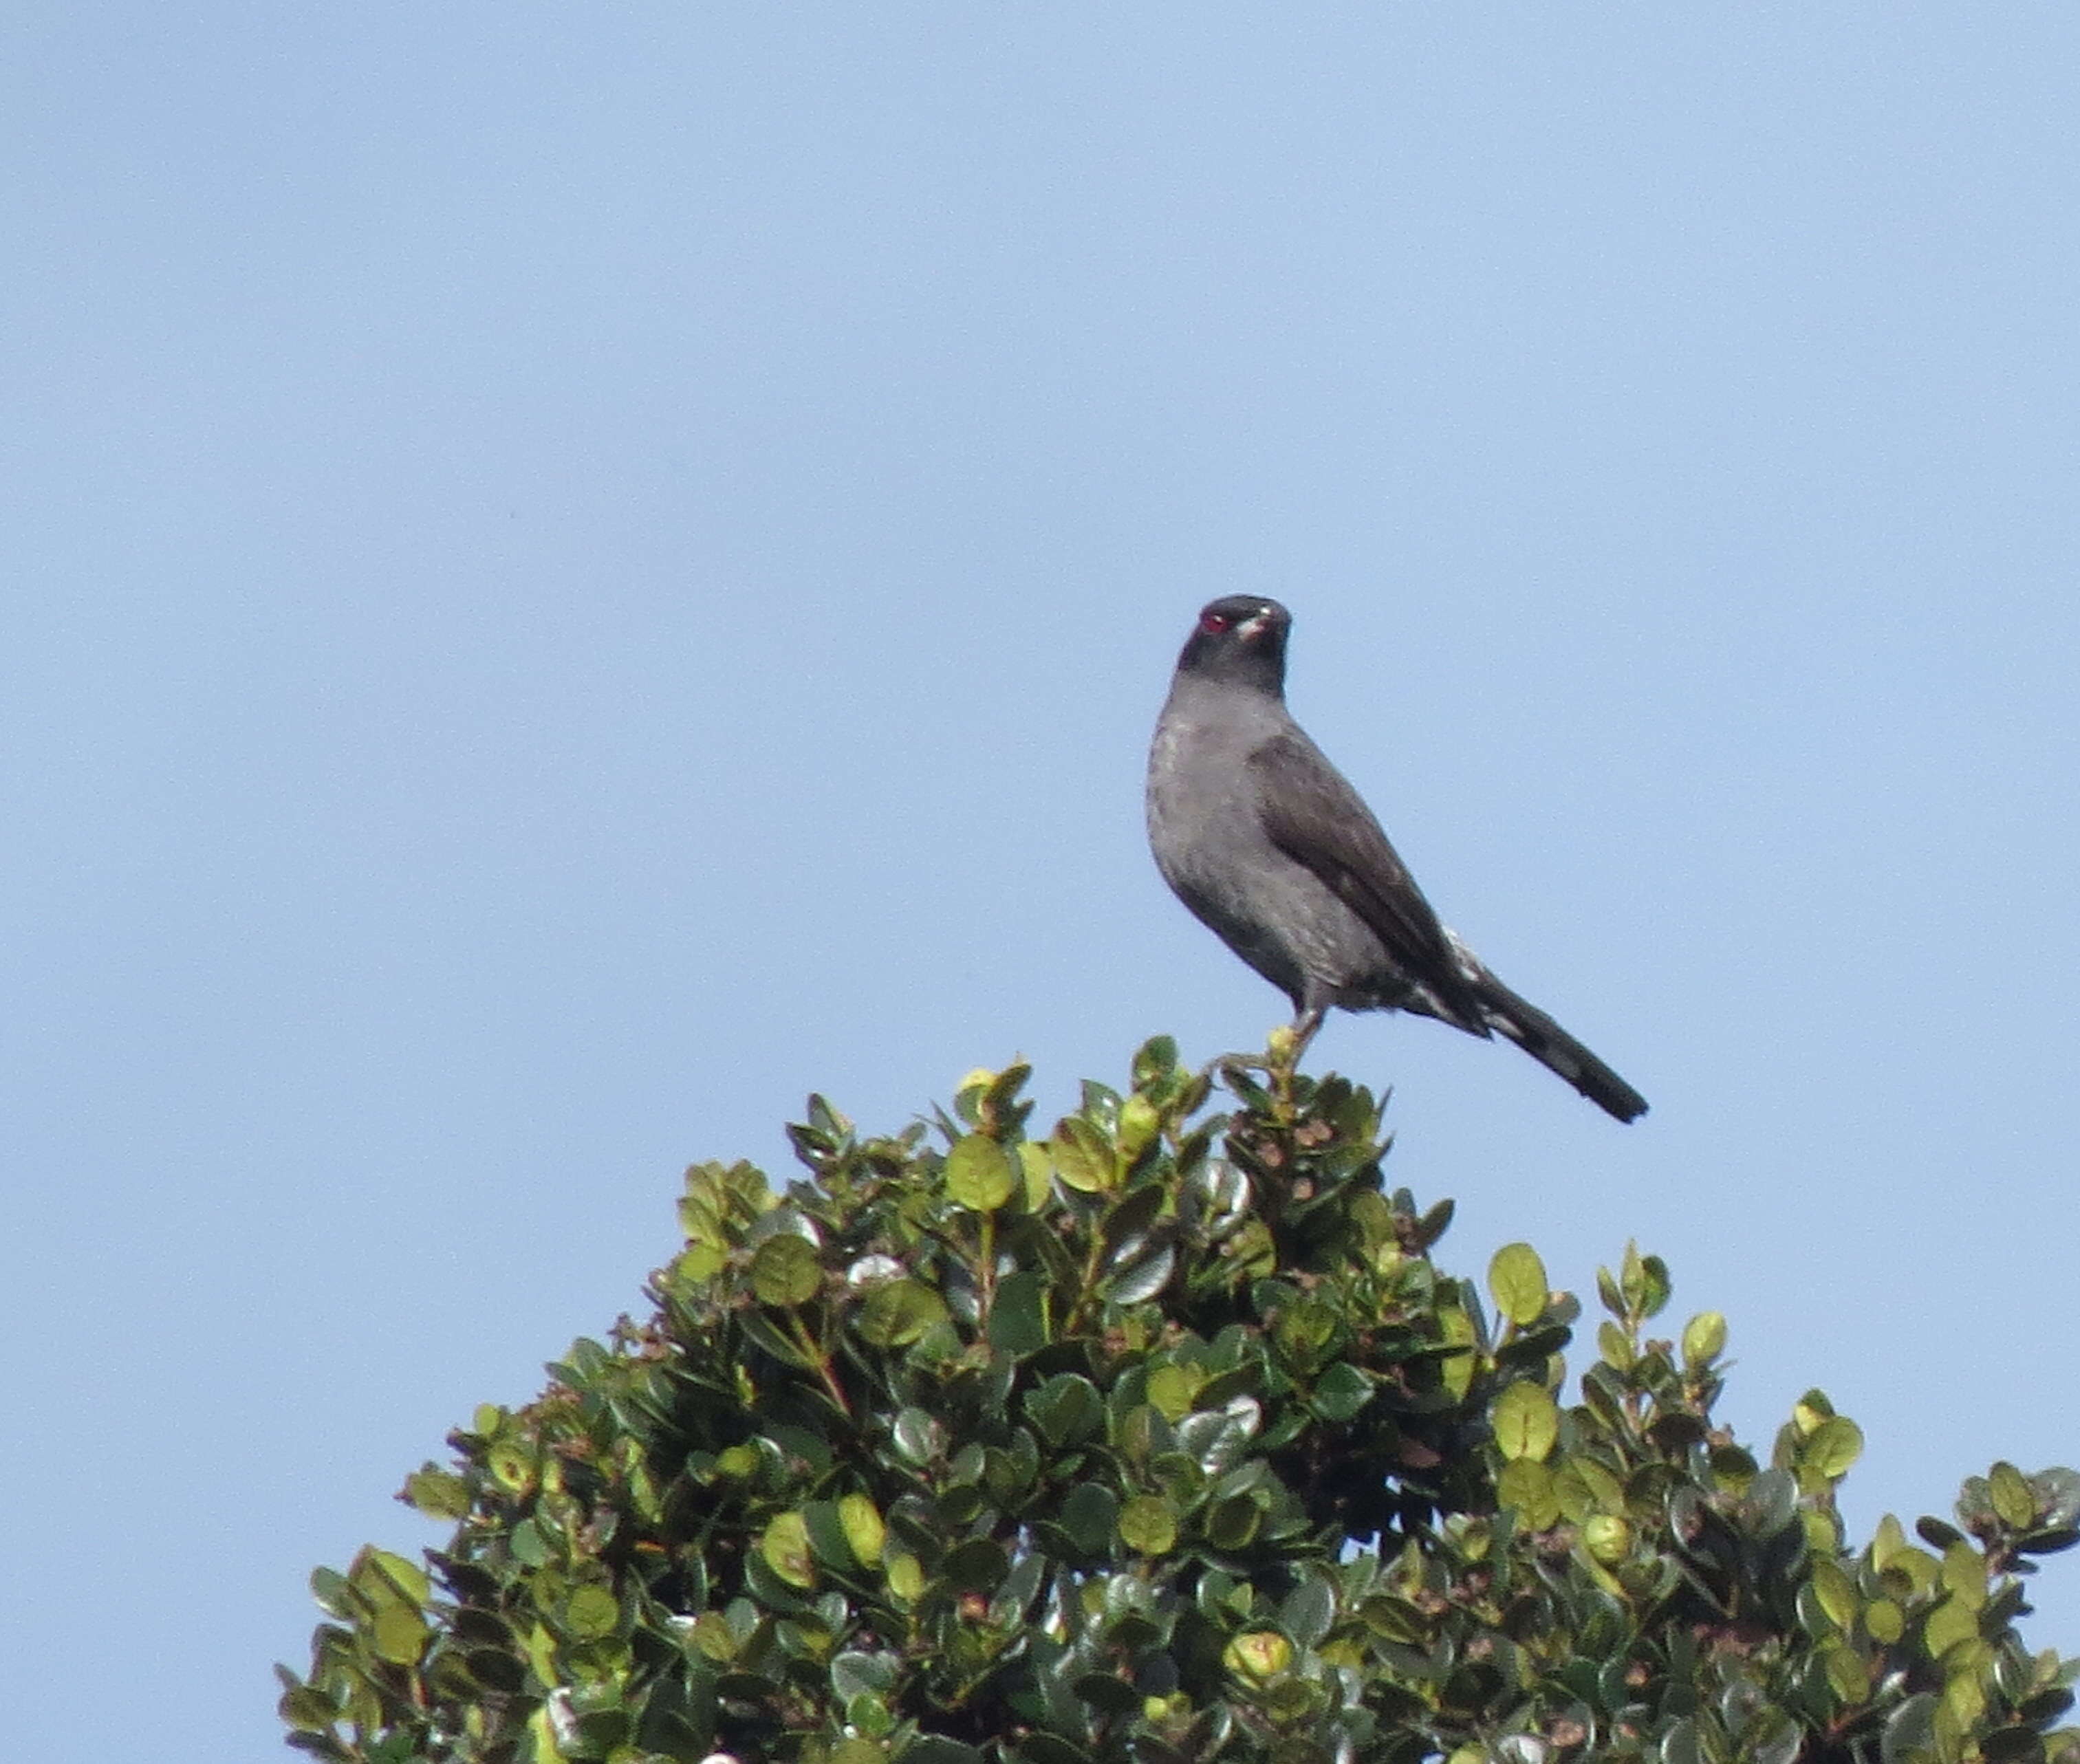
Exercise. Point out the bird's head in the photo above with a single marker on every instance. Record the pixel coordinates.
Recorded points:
(1240, 637)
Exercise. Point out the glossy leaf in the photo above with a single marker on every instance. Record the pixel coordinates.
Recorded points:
(786, 1271)
(1526, 1421)
(1517, 1283)
(979, 1175)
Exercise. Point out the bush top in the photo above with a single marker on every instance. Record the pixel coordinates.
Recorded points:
(1159, 1437)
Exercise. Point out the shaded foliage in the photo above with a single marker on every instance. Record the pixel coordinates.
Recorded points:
(1160, 1437)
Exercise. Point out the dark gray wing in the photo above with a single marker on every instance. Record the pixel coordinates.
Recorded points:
(1313, 815)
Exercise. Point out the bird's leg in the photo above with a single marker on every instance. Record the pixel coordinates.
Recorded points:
(1288, 1042)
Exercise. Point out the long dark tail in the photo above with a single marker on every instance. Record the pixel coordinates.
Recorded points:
(1553, 1047)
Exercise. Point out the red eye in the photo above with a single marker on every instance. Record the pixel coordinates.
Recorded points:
(1213, 624)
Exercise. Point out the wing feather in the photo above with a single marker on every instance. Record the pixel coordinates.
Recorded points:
(1311, 814)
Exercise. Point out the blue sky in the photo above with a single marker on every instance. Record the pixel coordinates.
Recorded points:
(578, 574)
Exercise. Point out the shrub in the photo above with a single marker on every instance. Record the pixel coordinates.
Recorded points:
(1159, 1437)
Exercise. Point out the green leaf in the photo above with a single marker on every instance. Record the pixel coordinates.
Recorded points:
(529, 1547)
(785, 1270)
(1136, 1279)
(335, 1598)
(1456, 1328)
(1517, 1280)
(1832, 1447)
(786, 1548)
(1257, 1656)
(1066, 1409)
(1837, 1595)
(1964, 1573)
(1703, 1339)
(1148, 1524)
(382, 1577)
(1139, 1122)
(2015, 1501)
(906, 1578)
(1036, 1170)
(1643, 1281)
(897, 1312)
(1617, 1346)
(918, 1436)
(979, 1176)
(1173, 1388)
(437, 1493)
(864, 1532)
(1090, 1515)
(1341, 1392)
(308, 1710)
(1309, 1611)
(828, 1539)
(1526, 1421)
(1950, 1622)
(1526, 1485)
(1084, 1158)
(1154, 1062)
(399, 1633)
(590, 1614)
(855, 1673)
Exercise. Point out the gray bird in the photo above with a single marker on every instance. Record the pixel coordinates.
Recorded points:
(1268, 844)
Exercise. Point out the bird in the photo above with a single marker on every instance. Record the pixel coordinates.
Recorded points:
(1269, 846)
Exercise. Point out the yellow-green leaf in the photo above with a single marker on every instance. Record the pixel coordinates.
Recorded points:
(591, 1614)
(1526, 1421)
(1083, 1160)
(1583, 1486)
(863, 1528)
(1172, 1389)
(1950, 1622)
(384, 1577)
(1964, 1573)
(1258, 1654)
(1517, 1280)
(1147, 1524)
(1832, 1447)
(1616, 1346)
(1139, 1122)
(1965, 1701)
(2015, 1501)
(1036, 1170)
(785, 1548)
(1704, 1339)
(906, 1578)
(1607, 1538)
(1836, 1592)
(1455, 1329)
(1526, 1485)
(712, 1637)
(438, 1494)
(399, 1633)
(979, 1176)
(1848, 1677)
(1811, 1410)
